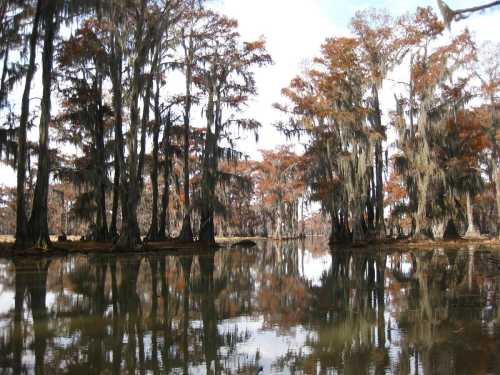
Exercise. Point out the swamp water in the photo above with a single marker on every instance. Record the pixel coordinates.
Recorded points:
(292, 308)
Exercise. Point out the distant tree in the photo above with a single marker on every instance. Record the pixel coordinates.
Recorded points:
(279, 183)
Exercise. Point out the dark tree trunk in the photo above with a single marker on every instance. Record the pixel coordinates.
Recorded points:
(120, 179)
(379, 170)
(335, 231)
(38, 225)
(102, 233)
(186, 234)
(116, 79)
(153, 234)
(101, 220)
(207, 232)
(164, 230)
(21, 218)
(451, 231)
(130, 235)
(116, 196)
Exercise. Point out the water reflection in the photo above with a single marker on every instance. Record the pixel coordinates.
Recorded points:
(292, 308)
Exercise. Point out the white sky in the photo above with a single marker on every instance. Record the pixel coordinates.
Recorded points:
(295, 30)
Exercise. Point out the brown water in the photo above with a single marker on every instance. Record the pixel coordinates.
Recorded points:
(296, 308)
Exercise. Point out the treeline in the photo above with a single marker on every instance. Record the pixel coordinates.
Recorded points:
(261, 198)
(127, 155)
(439, 176)
(110, 65)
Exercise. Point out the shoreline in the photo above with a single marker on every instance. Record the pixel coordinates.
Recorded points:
(417, 244)
(173, 247)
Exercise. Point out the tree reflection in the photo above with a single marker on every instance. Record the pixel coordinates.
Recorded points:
(359, 312)
(30, 292)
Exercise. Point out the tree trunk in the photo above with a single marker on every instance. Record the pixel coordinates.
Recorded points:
(21, 218)
(279, 221)
(119, 192)
(370, 200)
(497, 195)
(335, 233)
(38, 225)
(101, 219)
(153, 234)
(130, 233)
(207, 232)
(144, 130)
(119, 196)
(358, 234)
(130, 236)
(472, 231)
(113, 232)
(379, 171)
(164, 230)
(102, 233)
(186, 234)
(421, 222)
(495, 159)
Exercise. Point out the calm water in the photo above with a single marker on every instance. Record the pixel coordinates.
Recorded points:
(294, 308)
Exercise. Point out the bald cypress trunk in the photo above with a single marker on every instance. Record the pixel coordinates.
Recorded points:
(164, 227)
(101, 217)
(113, 232)
(421, 222)
(496, 161)
(423, 166)
(21, 218)
(472, 231)
(154, 234)
(358, 234)
(186, 233)
(130, 236)
(379, 170)
(119, 162)
(497, 195)
(207, 231)
(130, 233)
(38, 224)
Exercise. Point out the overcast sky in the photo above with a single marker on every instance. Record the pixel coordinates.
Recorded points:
(295, 30)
